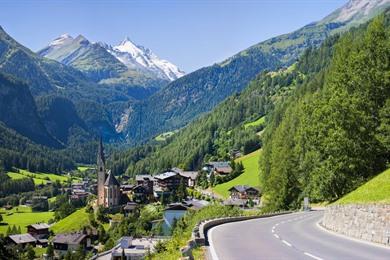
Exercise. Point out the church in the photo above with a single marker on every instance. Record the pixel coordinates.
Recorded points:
(108, 187)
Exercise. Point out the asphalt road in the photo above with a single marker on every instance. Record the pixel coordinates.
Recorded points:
(292, 236)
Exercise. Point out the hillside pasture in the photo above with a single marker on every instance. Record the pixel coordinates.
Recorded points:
(22, 216)
(250, 176)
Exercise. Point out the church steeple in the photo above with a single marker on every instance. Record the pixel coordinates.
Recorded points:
(101, 173)
(100, 154)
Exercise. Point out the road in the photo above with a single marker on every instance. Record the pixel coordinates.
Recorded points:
(292, 236)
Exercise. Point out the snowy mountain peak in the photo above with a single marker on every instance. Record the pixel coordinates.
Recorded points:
(61, 40)
(138, 57)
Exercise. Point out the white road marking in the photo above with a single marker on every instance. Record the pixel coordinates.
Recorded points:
(287, 243)
(213, 253)
(276, 236)
(312, 256)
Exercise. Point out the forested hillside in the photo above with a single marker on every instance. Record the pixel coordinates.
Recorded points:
(227, 127)
(333, 133)
(186, 99)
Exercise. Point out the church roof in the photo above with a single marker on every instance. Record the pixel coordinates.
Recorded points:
(111, 180)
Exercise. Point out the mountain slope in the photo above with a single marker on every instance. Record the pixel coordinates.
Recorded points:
(143, 59)
(126, 61)
(90, 58)
(329, 137)
(215, 135)
(186, 98)
(18, 111)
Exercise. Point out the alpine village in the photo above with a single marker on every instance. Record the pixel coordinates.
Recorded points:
(105, 156)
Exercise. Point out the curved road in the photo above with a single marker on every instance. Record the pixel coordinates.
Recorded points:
(291, 236)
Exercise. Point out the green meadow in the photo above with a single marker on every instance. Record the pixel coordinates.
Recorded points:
(74, 222)
(377, 190)
(22, 216)
(250, 176)
(257, 122)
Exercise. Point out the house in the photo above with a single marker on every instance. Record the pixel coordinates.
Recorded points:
(147, 181)
(130, 208)
(40, 230)
(218, 168)
(129, 248)
(144, 180)
(140, 194)
(168, 181)
(127, 188)
(172, 213)
(190, 176)
(196, 204)
(244, 192)
(22, 239)
(72, 241)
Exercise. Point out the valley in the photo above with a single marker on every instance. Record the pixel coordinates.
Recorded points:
(109, 152)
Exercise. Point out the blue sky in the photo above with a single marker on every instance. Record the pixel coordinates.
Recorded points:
(190, 33)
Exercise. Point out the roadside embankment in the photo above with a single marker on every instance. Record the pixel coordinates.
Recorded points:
(370, 222)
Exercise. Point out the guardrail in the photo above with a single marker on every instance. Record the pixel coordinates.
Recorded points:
(199, 233)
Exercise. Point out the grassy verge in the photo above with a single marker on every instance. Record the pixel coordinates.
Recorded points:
(250, 176)
(377, 190)
(183, 230)
(22, 216)
(74, 222)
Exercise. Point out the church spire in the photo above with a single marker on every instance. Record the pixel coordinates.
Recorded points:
(100, 154)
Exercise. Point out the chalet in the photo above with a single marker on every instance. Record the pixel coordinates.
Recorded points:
(244, 192)
(127, 188)
(144, 180)
(140, 194)
(40, 230)
(190, 176)
(168, 181)
(196, 204)
(130, 248)
(72, 241)
(130, 208)
(218, 168)
(22, 240)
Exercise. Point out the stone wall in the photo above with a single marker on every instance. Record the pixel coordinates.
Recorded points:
(368, 222)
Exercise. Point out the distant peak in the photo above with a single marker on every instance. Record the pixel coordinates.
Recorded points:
(62, 39)
(127, 41)
(65, 36)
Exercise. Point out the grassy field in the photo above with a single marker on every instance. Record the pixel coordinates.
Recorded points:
(83, 168)
(164, 136)
(73, 222)
(377, 190)
(15, 175)
(258, 122)
(22, 216)
(249, 177)
(39, 178)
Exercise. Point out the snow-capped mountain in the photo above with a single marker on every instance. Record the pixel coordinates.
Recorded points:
(356, 10)
(138, 57)
(104, 61)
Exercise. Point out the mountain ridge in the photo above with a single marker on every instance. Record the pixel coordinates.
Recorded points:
(113, 61)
